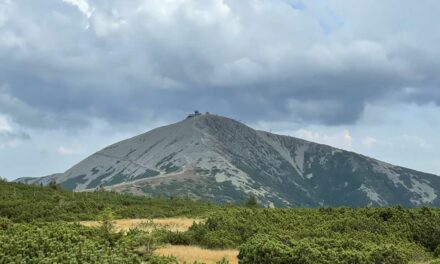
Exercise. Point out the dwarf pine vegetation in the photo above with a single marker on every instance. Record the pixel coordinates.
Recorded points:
(40, 225)
(28, 203)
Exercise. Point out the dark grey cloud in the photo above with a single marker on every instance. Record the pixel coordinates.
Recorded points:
(67, 62)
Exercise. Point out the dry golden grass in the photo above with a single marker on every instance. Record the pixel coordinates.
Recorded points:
(192, 253)
(176, 224)
(182, 253)
(173, 224)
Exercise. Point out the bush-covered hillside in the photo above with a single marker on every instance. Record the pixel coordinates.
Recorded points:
(314, 236)
(37, 226)
(58, 243)
(25, 203)
(61, 242)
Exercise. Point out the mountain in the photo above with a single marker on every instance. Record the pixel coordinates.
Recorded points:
(219, 159)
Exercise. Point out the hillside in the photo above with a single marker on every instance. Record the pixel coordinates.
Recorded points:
(219, 159)
(26, 203)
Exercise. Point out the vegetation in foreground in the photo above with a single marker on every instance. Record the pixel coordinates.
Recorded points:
(36, 226)
(27, 203)
(327, 235)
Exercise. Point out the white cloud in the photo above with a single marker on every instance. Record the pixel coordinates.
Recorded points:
(67, 151)
(348, 140)
(369, 141)
(4, 124)
(5, 9)
(82, 5)
(104, 24)
(398, 142)
(341, 139)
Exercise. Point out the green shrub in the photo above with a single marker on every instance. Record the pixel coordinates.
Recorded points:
(252, 202)
(223, 261)
(388, 254)
(437, 252)
(5, 223)
(61, 243)
(266, 249)
(263, 249)
(175, 238)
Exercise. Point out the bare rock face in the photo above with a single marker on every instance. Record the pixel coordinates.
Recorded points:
(219, 159)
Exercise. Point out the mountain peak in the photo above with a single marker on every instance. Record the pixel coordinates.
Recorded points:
(220, 159)
(212, 120)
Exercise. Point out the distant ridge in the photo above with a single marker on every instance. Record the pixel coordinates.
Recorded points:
(222, 160)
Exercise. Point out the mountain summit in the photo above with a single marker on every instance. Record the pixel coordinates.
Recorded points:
(219, 159)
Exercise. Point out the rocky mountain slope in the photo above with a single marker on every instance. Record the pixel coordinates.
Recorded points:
(222, 160)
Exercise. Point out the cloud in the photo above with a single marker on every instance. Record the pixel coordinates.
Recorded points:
(4, 125)
(65, 151)
(315, 62)
(369, 141)
(398, 142)
(341, 139)
(310, 69)
(10, 137)
(347, 137)
(5, 8)
(82, 6)
(26, 114)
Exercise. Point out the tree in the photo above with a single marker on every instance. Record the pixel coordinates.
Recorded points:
(107, 225)
(252, 201)
(53, 185)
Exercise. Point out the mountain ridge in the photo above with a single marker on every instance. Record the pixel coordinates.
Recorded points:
(220, 159)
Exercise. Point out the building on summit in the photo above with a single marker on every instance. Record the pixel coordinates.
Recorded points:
(196, 113)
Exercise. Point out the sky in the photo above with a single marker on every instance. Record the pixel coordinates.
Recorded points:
(78, 75)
